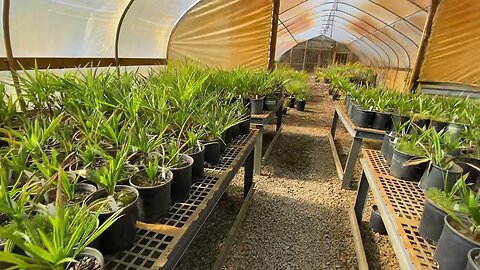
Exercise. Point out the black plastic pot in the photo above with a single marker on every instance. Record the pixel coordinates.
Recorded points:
(363, 118)
(227, 136)
(466, 163)
(270, 103)
(256, 105)
(244, 127)
(434, 177)
(387, 146)
(399, 169)
(81, 188)
(198, 163)
(154, 202)
(471, 256)
(88, 252)
(438, 125)
(300, 105)
(431, 223)
(291, 102)
(354, 109)
(376, 222)
(418, 125)
(397, 120)
(348, 100)
(453, 247)
(382, 121)
(235, 131)
(182, 180)
(122, 233)
(212, 152)
(223, 145)
(455, 128)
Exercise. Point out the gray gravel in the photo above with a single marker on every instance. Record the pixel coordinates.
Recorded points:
(298, 218)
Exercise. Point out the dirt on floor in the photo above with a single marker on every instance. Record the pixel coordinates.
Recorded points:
(298, 217)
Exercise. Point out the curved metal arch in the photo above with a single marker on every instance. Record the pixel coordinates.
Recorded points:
(346, 33)
(382, 41)
(286, 28)
(384, 51)
(366, 55)
(359, 9)
(394, 22)
(396, 14)
(119, 26)
(395, 41)
(167, 44)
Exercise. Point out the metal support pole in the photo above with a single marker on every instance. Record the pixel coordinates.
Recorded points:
(352, 159)
(258, 152)
(8, 50)
(248, 177)
(279, 115)
(305, 55)
(333, 129)
(361, 197)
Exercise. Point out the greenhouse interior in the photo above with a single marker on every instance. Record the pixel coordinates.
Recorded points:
(240, 134)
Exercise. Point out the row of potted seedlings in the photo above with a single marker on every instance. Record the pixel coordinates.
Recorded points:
(92, 152)
(385, 109)
(446, 164)
(341, 77)
(295, 87)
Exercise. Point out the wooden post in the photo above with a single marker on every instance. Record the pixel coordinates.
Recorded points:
(427, 31)
(273, 35)
(8, 49)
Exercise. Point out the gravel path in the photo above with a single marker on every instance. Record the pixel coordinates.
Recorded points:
(298, 217)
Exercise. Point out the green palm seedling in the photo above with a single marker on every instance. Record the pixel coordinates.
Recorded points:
(8, 107)
(36, 133)
(41, 89)
(57, 243)
(109, 175)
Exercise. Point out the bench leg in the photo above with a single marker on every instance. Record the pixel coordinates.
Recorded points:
(258, 153)
(350, 166)
(361, 198)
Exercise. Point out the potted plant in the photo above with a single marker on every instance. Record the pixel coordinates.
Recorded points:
(196, 150)
(406, 152)
(56, 240)
(473, 259)
(154, 185)
(181, 167)
(460, 232)
(258, 89)
(441, 165)
(389, 141)
(383, 116)
(364, 114)
(112, 198)
(431, 222)
(469, 158)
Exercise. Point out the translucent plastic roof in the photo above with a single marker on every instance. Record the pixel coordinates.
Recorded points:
(87, 28)
(383, 33)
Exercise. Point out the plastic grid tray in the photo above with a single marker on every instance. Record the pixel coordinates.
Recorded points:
(405, 201)
(180, 212)
(147, 249)
(152, 245)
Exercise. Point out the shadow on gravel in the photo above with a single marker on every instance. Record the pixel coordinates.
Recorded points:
(302, 157)
(371, 249)
(283, 232)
